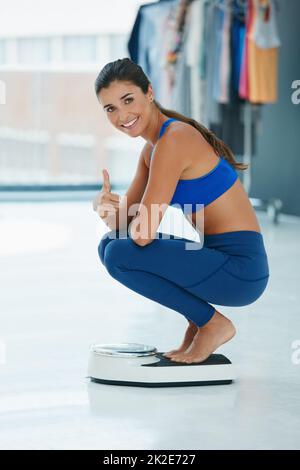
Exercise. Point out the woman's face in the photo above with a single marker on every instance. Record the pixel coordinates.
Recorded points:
(125, 103)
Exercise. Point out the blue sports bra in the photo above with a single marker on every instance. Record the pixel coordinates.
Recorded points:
(206, 188)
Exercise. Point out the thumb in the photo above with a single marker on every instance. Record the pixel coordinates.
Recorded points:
(106, 182)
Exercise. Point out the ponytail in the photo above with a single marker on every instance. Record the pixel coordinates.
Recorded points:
(220, 148)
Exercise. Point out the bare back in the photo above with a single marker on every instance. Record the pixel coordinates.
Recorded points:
(232, 211)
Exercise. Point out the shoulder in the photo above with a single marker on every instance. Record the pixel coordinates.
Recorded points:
(190, 144)
(175, 137)
(169, 156)
(183, 138)
(173, 146)
(180, 131)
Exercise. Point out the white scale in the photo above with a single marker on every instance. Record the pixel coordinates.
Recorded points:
(139, 365)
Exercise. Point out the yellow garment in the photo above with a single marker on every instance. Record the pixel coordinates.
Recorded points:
(262, 68)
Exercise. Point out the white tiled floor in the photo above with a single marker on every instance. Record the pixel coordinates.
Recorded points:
(57, 299)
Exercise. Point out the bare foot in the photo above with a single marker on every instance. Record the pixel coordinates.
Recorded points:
(187, 341)
(217, 331)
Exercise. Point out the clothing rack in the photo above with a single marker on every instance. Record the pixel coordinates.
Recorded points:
(239, 10)
(240, 3)
(272, 206)
(222, 6)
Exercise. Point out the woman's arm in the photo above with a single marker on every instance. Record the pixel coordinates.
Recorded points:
(166, 167)
(130, 201)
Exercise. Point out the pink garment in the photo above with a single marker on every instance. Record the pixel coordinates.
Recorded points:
(244, 77)
(243, 85)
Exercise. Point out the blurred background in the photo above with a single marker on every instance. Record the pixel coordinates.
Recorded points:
(206, 60)
(52, 128)
(54, 133)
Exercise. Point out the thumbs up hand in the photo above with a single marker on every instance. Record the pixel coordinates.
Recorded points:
(106, 203)
(106, 182)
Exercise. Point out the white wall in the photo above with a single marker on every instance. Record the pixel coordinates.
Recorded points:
(20, 18)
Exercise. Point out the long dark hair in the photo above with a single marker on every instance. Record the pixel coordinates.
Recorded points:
(127, 70)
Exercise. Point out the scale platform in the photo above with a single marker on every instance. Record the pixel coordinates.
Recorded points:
(138, 365)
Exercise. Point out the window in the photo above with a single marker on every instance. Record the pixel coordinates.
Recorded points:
(23, 155)
(80, 49)
(77, 161)
(2, 51)
(118, 46)
(33, 50)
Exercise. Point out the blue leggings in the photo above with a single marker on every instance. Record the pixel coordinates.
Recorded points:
(229, 269)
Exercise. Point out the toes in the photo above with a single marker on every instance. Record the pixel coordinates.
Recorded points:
(174, 354)
(196, 360)
(169, 354)
(177, 358)
(186, 359)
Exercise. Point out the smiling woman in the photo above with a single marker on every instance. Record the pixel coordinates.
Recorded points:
(124, 104)
(164, 270)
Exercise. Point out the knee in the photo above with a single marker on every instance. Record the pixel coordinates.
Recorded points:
(107, 238)
(115, 256)
(115, 249)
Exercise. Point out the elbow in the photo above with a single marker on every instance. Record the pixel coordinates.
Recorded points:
(141, 241)
(137, 237)
(138, 240)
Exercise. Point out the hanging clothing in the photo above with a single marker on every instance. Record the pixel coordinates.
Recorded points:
(263, 62)
(133, 43)
(181, 94)
(238, 30)
(181, 99)
(222, 65)
(167, 68)
(150, 37)
(224, 119)
(212, 109)
(265, 31)
(244, 75)
(204, 59)
(194, 50)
